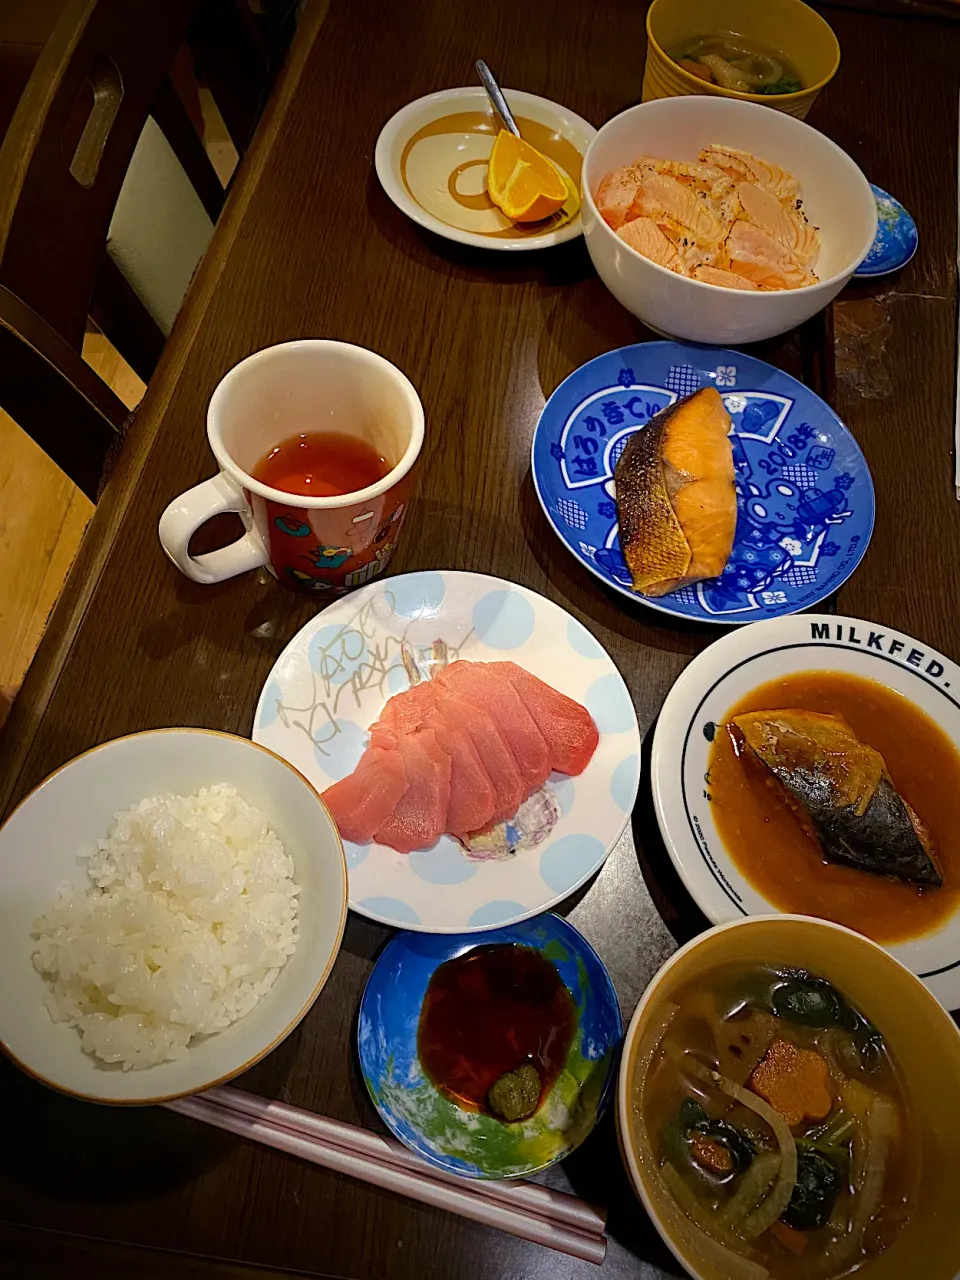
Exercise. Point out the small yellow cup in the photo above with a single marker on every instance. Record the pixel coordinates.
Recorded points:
(788, 27)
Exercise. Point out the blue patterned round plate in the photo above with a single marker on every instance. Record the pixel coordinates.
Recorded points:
(333, 679)
(896, 240)
(804, 492)
(468, 1142)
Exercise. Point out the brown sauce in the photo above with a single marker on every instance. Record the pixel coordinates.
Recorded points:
(548, 141)
(773, 851)
(488, 1012)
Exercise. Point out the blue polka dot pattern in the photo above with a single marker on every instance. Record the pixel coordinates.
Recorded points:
(397, 678)
(443, 864)
(493, 912)
(503, 619)
(563, 789)
(609, 703)
(582, 642)
(416, 595)
(623, 784)
(389, 908)
(567, 861)
(340, 753)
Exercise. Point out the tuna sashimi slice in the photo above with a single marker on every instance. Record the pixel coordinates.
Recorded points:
(362, 802)
(567, 727)
(404, 713)
(493, 750)
(473, 798)
(421, 813)
(480, 683)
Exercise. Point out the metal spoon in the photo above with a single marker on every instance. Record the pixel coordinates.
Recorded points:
(496, 97)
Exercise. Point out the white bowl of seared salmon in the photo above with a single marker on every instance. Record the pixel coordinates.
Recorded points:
(722, 221)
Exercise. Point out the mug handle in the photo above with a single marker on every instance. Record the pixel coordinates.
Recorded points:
(186, 514)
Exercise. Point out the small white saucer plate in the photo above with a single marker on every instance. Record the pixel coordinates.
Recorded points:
(440, 183)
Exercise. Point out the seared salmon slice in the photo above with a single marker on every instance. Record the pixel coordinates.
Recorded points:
(784, 222)
(713, 182)
(744, 165)
(645, 236)
(726, 279)
(616, 193)
(666, 200)
(755, 254)
(676, 500)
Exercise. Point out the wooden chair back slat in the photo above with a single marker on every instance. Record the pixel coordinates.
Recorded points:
(102, 67)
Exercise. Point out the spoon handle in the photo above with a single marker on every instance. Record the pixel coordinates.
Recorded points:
(496, 97)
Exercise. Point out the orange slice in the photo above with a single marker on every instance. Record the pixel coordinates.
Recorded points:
(522, 182)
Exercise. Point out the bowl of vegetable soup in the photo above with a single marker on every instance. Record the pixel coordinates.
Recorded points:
(779, 53)
(786, 1108)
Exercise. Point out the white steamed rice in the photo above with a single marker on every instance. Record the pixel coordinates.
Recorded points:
(191, 915)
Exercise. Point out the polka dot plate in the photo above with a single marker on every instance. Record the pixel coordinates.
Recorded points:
(805, 503)
(469, 1143)
(333, 679)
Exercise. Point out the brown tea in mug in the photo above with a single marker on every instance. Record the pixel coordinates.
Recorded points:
(321, 464)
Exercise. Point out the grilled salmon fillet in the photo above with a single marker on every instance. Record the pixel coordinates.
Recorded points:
(676, 499)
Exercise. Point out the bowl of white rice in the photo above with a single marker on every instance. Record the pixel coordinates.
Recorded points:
(171, 905)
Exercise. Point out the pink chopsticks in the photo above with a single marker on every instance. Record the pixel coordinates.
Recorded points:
(551, 1218)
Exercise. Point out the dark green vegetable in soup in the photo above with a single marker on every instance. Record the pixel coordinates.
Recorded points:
(808, 1001)
(816, 1191)
(812, 1002)
(769, 1111)
(516, 1094)
(786, 84)
(797, 997)
(701, 1149)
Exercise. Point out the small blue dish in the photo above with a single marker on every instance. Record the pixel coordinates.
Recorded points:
(896, 240)
(469, 1143)
(804, 492)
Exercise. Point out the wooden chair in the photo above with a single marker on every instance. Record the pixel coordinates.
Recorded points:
(62, 164)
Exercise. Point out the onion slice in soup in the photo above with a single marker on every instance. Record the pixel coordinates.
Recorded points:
(767, 1214)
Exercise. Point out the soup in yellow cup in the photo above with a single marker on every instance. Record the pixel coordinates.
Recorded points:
(786, 32)
(787, 1107)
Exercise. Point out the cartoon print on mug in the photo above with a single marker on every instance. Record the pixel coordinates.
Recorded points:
(353, 544)
(306, 582)
(292, 525)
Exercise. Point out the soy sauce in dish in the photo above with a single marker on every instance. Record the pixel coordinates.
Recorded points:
(488, 1013)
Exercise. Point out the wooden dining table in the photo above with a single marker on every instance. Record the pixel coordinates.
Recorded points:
(310, 246)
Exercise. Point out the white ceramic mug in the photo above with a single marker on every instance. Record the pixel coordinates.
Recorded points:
(320, 545)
